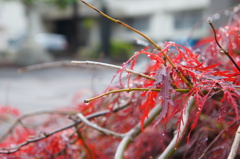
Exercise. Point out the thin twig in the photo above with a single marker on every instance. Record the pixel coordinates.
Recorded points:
(45, 65)
(221, 48)
(216, 139)
(134, 132)
(46, 135)
(130, 90)
(19, 120)
(113, 66)
(146, 37)
(84, 142)
(98, 128)
(73, 63)
(235, 145)
(178, 134)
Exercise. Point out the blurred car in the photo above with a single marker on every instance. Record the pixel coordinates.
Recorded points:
(52, 42)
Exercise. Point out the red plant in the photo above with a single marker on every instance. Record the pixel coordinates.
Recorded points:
(183, 102)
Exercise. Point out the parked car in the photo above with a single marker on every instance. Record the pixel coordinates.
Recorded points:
(51, 42)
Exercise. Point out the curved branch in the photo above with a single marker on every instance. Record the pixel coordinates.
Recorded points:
(178, 134)
(98, 128)
(147, 38)
(221, 48)
(235, 145)
(46, 135)
(114, 67)
(73, 63)
(129, 136)
(130, 90)
(217, 138)
(19, 120)
(45, 65)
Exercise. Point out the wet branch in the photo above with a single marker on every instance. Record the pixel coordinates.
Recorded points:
(98, 128)
(134, 132)
(221, 48)
(235, 145)
(167, 153)
(45, 135)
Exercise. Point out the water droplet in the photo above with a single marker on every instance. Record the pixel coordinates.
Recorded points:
(175, 148)
(235, 17)
(216, 16)
(234, 45)
(222, 51)
(163, 134)
(210, 19)
(227, 12)
(236, 9)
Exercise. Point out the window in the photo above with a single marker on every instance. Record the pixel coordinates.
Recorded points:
(186, 19)
(139, 23)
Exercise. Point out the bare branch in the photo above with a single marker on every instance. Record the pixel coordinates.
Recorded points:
(46, 135)
(235, 145)
(73, 63)
(45, 65)
(178, 134)
(216, 139)
(221, 48)
(130, 90)
(147, 38)
(114, 67)
(19, 120)
(98, 128)
(130, 135)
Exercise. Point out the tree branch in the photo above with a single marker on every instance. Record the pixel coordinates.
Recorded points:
(216, 139)
(98, 128)
(178, 134)
(130, 90)
(46, 135)
(114, 67)
(73, 63)
(45, 65)
(147, 38)
(221, 48)
(130, 135)
(235, 145)
(19, 120)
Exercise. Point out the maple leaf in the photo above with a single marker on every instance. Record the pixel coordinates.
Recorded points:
(163, 76)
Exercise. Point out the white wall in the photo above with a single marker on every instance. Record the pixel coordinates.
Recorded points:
(161, 17)
(12, 21)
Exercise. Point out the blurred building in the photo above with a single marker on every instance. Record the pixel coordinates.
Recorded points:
(161, 20)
